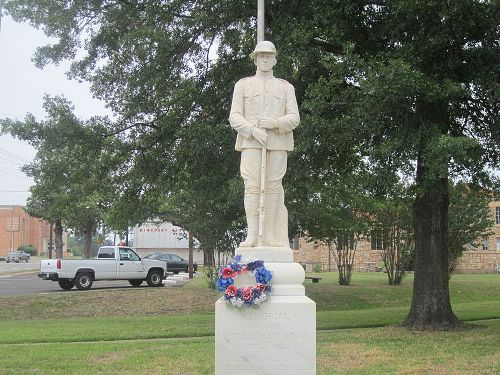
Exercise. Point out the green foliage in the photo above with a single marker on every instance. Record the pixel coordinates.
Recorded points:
(317, 268)
(72, 161)
(392, 231)
(469, 219)
(389, 91)
(76, 245)
(211, 275)
(30, 249)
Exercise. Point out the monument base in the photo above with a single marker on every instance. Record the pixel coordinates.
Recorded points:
(276, 337)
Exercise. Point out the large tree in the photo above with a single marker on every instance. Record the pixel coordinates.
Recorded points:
(72, 165)
(409, 84)
(423, 99)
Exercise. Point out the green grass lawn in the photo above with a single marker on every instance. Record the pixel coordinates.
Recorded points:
(171, 330)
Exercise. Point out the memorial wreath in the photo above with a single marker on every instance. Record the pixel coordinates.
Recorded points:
(250, 295)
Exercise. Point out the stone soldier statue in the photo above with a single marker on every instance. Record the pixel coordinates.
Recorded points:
(264, 112)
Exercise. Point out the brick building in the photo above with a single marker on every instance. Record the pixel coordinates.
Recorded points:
(483, 259)
(17, 228)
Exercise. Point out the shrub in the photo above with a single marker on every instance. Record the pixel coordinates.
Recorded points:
(317, 268)
(76, 251)
(28, 249)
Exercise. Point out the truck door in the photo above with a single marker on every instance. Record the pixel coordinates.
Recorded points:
(106, 268)
(130, 265)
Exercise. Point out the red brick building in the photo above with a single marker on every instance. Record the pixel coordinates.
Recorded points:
(18, 228)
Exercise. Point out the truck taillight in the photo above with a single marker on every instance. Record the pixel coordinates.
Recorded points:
(59, 264)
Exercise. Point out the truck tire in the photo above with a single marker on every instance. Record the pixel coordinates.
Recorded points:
(135, 282)
(154, 278)
(83, 281)
(66, 284)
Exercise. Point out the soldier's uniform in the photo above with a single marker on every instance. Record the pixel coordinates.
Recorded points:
(254, 98)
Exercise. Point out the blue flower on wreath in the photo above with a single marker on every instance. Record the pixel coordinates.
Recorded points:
(252, 266)
(263, 275)
(236, 266)
(222, 283)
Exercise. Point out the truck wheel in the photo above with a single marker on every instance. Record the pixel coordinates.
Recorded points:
(154, 278)
(135, 282)
(83, 281)
(66, 284)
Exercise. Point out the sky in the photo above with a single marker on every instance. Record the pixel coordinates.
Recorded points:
(22, 87)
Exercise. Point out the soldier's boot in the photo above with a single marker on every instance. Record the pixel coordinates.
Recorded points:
(270, 221)
(251, 202)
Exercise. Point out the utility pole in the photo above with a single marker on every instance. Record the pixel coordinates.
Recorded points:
(51, 229)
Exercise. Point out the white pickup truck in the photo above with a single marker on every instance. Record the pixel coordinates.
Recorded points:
(112, 263)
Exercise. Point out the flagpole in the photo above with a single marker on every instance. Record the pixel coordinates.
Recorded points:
(263, 159)
(260, 20)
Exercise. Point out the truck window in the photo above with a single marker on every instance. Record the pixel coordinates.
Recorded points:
(106, 253)
(128, 254)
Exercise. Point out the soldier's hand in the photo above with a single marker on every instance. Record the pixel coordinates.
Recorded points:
(268, 123)
(259, 135)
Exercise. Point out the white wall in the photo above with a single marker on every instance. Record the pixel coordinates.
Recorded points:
(160, 236)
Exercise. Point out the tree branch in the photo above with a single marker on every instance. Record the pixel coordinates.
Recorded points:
(381, 3)
(327, 46)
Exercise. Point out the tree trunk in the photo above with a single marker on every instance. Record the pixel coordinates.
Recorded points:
(431, 307)
(87, 241)
(58, 232)
(190, 261)
(208, 257)
(344, 257)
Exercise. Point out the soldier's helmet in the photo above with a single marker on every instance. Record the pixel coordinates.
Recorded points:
(264, 46)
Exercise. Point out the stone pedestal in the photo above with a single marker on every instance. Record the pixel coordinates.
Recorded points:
(276, 337)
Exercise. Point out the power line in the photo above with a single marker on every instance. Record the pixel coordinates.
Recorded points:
(13, 174)
(13, 156)
(11, 162)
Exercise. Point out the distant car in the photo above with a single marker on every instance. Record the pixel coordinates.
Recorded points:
(174, 262)
(17, 256)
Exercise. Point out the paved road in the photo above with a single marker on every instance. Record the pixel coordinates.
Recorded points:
(31, 284)
(10, 268)
(20, 279)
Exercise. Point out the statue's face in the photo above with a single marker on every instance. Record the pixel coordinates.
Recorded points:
(265, 61)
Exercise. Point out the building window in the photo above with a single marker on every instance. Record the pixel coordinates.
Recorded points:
(346, 242)
(498, 243)
(485, 243)
(497, 215)
(378, 240)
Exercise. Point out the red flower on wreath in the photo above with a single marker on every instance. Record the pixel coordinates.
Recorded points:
(261, 287)
(227, 273)
(231, 291)
(247, 293)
